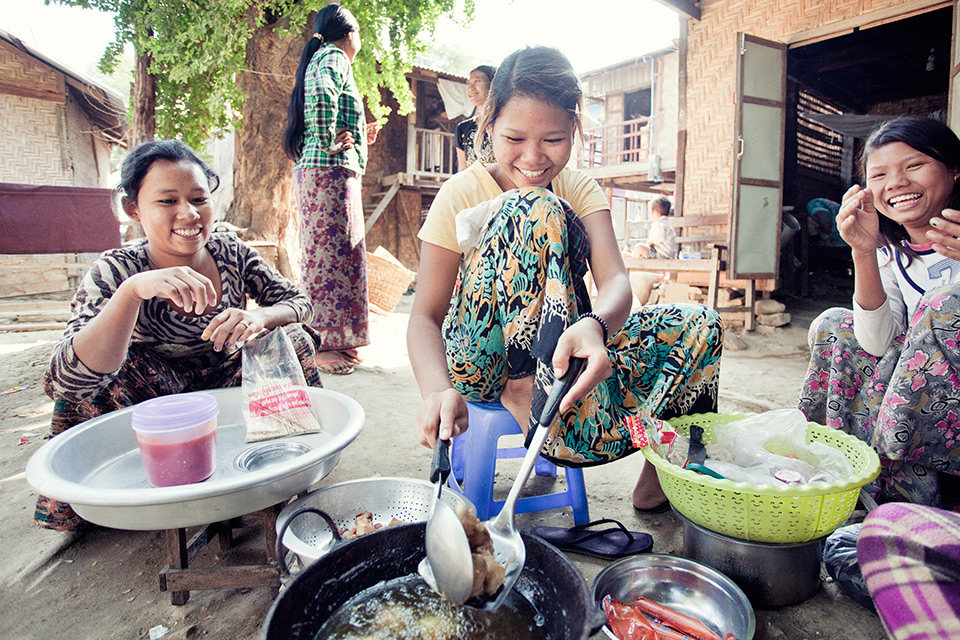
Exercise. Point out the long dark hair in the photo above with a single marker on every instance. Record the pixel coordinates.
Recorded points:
(138, 162)
(927, 136)
(542, 73)
(332, 23)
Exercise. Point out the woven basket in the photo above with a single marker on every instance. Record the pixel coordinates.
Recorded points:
(387, 279)
(765, 513)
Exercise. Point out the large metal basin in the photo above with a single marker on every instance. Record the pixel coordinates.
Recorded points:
(96, 467)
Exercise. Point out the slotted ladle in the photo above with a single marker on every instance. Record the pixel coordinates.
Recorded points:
(508, 546)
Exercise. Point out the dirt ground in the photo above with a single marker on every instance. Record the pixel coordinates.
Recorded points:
(103, 583)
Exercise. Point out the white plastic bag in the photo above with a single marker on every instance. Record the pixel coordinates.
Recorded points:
(771, 448)
(275, 398)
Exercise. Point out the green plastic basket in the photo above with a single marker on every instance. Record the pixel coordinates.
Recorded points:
(765, 513)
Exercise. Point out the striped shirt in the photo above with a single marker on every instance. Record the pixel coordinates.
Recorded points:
(332, 102)
(161, 329)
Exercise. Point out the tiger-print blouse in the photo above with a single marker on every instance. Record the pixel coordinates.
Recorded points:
(160, 329)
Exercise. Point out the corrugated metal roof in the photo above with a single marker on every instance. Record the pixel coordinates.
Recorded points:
(626, 63)
(439, 72)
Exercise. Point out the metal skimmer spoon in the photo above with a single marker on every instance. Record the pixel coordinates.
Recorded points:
(448, 567)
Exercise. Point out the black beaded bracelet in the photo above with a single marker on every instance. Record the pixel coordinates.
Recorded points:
(603, 323)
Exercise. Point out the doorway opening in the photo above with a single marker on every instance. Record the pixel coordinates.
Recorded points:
(838, 89)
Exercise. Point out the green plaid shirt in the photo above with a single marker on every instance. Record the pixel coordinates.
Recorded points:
(332, 102)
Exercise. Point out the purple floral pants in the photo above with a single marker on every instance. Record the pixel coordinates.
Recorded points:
(333, 266)
(906, 404)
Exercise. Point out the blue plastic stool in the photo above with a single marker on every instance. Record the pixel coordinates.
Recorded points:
(473, 459)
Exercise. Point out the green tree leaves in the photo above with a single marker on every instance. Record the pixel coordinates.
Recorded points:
(197, 48)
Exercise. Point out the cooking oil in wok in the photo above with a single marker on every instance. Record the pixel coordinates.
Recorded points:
(407, 609)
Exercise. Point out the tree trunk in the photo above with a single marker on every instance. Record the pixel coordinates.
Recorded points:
(264, 201)
(144, 126)
(144, 102)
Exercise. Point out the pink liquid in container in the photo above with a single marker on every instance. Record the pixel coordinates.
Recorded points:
(177, 435)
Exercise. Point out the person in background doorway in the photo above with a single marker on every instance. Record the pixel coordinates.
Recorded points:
(478, 86)
(660, 243)
(888, 371)
(327, 137)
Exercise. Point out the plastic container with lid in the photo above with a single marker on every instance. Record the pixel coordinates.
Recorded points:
(177, 435)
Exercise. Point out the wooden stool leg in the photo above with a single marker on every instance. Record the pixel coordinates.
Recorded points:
(177, 558)
(270, 530)
(750, 302)
(225, 533)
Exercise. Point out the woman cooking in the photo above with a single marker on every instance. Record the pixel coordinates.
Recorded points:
(520, 309)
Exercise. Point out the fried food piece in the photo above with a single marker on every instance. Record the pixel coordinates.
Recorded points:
(488, 574)
(364, 524)
(477, 534)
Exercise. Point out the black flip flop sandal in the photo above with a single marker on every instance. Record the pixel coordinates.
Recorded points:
(611, 542)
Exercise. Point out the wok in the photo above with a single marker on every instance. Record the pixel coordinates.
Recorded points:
(549, 582)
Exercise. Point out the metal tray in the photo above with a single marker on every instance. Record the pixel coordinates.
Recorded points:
(96, 467)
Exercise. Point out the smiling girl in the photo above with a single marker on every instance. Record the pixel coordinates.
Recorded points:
(511, 242)
(167, 314)
(887, 372)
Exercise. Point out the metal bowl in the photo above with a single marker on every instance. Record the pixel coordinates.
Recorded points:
(681, 584)
(96, 467)
(406, 499)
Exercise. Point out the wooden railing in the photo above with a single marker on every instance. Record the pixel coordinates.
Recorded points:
(615, 144)
(431, 153)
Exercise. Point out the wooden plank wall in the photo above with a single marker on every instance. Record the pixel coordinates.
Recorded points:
(396, 230)
(34, 274)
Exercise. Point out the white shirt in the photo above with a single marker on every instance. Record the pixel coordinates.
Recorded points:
(664, 238)
(904, 285)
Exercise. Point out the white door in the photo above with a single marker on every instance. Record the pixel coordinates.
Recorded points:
(758, 158)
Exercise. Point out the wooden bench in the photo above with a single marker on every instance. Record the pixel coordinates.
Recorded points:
(697, 233)
(41, 273)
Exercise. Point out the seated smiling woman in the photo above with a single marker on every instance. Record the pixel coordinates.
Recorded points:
(167, 314)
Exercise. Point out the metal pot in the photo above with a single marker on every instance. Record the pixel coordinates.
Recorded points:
(549, 582)
(771, 575)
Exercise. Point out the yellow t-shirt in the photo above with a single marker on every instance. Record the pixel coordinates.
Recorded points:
(475, 185)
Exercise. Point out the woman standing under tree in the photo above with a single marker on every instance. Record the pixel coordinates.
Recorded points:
(326, 138)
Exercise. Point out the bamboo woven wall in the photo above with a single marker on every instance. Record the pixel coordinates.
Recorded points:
(32, 121)
(31, 147)
(712, 73)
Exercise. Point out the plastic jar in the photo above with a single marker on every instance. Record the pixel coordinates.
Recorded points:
(177, 435)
